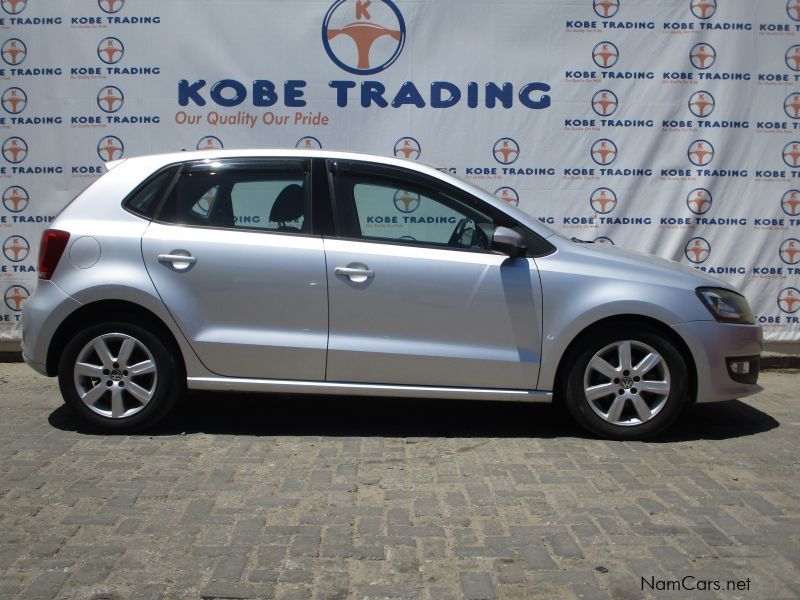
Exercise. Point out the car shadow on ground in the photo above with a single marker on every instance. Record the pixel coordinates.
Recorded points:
(331, 416)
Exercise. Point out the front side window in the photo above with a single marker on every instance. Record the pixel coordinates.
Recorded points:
(386, 208)
(268, 198)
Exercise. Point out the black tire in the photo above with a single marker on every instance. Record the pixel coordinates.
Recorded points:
(664, 406)
(165, 385)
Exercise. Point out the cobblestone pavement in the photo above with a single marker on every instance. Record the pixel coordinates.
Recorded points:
(260, 497)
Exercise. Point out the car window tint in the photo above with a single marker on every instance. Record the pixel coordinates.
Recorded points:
(386, 209)
(269, 200)
(254, 204)
(145, 200)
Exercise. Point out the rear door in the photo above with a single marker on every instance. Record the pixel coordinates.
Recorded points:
(232, 257)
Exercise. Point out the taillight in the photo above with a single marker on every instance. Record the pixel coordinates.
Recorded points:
(54, 241)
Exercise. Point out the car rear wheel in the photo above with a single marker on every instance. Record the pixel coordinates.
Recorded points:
(119, 377)
(626, 383)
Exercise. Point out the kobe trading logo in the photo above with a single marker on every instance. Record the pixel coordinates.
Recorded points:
(605, 8)
(604, 103)
(791, 154)
(363, 36)
(508, 194)
(603, 200)
(603, 152)
(701, 103)
(703, 9)
(14, 100)
(16, 199)
(111, 6)
(110, 99)
(14, 51)
(505, 151)
(697, 250)
(14, 7)
(110, 50)
(700, 153)
(308, 142)
(15, 150)
(408, 148)
(699, 201)
(605, 55)
(16, 248)
(406, 202)
(209, 142)
(110, 148)
(790, 203)
(15, 296)
(790, 251)
(789, 300)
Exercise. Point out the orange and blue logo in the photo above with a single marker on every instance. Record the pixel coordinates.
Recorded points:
(110, 148)
(603, 200)
(701, 104)
(790, 251)
(604, 240)
(16, 199)
(14, 100)
(793, 9)
(789, 300)
(363, 36)
(406, 202)
(702, 56)
(605, 103)
(111, 6)
(209, 142)
(603, 151)
(791, 106)
(15, 297)
(699, 201)
(110, 50)
(790, 203)
(505, 151)
(703, 9)
(15, 150)
(110, 99)
(308, 143)
(13, 51)
(408, 148)
(16, 248)
(605, 55)
(697, 250)
(791, 154)
(700, 153)
(14, 7)
(508, 194)
(792, 57)
(605, 8)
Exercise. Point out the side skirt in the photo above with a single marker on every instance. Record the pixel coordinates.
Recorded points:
(234, 384)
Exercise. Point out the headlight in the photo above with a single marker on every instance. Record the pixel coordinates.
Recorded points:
(726, 306)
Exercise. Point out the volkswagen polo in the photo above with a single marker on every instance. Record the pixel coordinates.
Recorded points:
(337, 273)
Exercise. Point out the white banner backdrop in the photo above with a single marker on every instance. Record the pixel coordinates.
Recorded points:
(670, 127)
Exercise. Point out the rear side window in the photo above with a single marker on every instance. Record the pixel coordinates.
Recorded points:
(272, 198)
(144, 201)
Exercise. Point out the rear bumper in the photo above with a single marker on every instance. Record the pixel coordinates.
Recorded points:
(712, 344)
(42, 313)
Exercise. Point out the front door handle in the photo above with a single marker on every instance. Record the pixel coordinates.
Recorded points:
(356, 273)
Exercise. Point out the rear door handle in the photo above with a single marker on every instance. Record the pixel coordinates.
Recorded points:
(173, 258)
(177, 260)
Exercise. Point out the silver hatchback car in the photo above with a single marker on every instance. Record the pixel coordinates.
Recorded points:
(337, 273)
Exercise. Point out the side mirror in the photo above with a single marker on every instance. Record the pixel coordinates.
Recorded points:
(509, 242)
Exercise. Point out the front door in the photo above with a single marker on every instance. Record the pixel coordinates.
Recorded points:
(416, 296)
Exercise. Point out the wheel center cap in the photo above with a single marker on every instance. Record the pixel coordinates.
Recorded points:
(116, 375)
(627, 383)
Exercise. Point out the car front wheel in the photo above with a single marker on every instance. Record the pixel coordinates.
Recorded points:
(626, 383)
(118, 377)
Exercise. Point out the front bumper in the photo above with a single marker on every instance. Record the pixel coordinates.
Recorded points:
(42, 313)
(712, 344)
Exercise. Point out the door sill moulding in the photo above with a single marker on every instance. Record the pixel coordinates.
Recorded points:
(236, 384)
